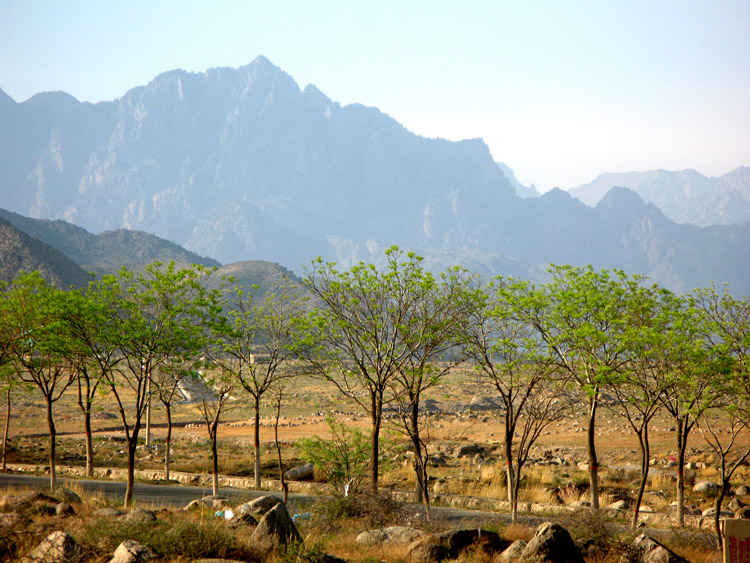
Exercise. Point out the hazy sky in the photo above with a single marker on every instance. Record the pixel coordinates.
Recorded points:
(560, 90)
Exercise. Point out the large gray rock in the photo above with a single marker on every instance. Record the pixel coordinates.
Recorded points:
(551, 544)
(258, 506)
(389, 536)
(141, 514)
(303, 472)
(131, 551)
(64, 509)
(706, 487)
(58, 547)
(651, 551)
(69, 496)
(107, 513)
(275, 528)
(513, 553)
(450, 545)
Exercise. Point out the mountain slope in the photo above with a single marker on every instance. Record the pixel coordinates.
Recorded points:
(685, 196)
(20, 252)
(107, 252)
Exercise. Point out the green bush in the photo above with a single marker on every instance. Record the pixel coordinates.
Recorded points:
(177, 538)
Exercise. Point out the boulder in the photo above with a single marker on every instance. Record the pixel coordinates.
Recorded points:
(131, 551)
(651, 551)
(551, 544)
(388, 536)
(243, 520)
(69, 496)
(259, 506)
(706, 487)
(12, 521)
(276, 528)
(214, 502)
(450, 545)
(469, 450)
(64, 509)
(141, 514)
(58, 547)
(742, 490)
(303, 472)
(513, 553)
(618, 505)
(107, 513)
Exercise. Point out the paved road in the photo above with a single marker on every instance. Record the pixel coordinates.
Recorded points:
(178, 496)
(173, 496)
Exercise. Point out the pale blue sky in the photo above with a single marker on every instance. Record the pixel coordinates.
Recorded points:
(560, 90)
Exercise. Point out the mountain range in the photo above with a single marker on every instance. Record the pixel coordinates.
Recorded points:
(685, 196)
(240, 164)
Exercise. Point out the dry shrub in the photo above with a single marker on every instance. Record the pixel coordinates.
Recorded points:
(516, 531)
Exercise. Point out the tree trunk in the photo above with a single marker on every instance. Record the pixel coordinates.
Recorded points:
(682, 434)
(420, 456)
(645, 454)
(516, 487)
(591, 444)
(89, 443)
(129, 489)
(132, 444)
(284, 486)
(508, 454)
(7, 428)
(717, 516)
(377, 413)
(256, 442)
(52, 436)
(168, 440)
(215, 455)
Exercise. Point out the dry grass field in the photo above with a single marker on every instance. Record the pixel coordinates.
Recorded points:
(472, 481)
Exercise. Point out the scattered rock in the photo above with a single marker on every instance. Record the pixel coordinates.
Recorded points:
(450, 545)
(469, 450)
(303, 472)
(259, 506)
(69, 496)
(276, 528)
(651, 551)
(12, 521)
(386, 536)
(743, 513)
(64, 509)
(742, 490)
(706, 487)
(58, 547)
(211, 501)
(618, 505)
(243, 520)
(141, 514)
(131, 551)
(513, 552)
(581, 504)
(107, 513)
(552, 544)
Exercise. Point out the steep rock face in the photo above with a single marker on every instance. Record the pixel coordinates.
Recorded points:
(684, 196)
(237, 163)
(241, 164)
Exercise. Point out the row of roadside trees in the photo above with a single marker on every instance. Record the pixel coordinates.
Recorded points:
(384, 337)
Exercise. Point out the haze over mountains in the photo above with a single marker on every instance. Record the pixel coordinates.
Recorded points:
(243, 164)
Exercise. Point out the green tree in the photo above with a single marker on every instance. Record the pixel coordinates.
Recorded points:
(221, 383)
(40, 355)
(152, 317)
(257, 344)
(435, 313)
(585, 317)
(508, 353)
(358, 338)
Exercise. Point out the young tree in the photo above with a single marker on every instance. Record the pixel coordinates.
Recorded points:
(256, 343)
(501, 341)
(221, 383)
(356, 339)
(153, 316)
(585, 316)
(41, 353)
(434, 317)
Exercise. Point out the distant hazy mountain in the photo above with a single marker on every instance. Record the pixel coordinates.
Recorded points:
(107, 252)
(685, 196)
(521, 190)
(243, 164)
(20, 252)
